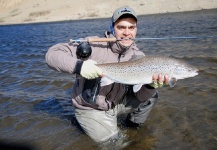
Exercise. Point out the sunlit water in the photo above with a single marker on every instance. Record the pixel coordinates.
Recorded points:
(35, 105)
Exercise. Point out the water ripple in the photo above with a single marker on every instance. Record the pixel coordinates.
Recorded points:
(35, 101)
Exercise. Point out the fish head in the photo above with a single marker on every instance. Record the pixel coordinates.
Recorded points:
(185, 71)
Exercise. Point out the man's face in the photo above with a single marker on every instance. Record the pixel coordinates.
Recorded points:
(125, 29)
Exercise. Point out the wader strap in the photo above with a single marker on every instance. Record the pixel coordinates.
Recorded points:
(91, 90)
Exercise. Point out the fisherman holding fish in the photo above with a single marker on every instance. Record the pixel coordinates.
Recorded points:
(98, 102)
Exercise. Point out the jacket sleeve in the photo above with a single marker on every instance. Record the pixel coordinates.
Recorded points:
(145, 93)
(62, 57)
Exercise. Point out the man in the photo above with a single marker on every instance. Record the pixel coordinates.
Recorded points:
(97, 105)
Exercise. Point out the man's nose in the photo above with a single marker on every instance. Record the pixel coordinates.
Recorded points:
(126, 31)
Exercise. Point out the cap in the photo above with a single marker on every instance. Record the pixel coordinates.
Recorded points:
(122, 11)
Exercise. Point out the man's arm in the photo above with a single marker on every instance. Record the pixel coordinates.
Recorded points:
(62, 57)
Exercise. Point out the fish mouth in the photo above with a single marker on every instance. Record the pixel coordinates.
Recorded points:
(188, 75)
(193, 74)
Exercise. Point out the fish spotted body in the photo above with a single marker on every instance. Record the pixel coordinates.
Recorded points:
(140, 69)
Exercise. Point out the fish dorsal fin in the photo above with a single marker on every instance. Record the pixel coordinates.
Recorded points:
(136, 57)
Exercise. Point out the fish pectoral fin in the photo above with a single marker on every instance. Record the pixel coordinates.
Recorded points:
(137, 87)
(172, 82)
(105, 81)
(136, 57)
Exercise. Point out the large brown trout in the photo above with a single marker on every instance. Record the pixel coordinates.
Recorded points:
(140, 69)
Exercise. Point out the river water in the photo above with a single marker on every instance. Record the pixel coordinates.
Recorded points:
(35, 106)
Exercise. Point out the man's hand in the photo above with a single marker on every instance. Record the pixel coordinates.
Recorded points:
(89, 70)
(159, 81)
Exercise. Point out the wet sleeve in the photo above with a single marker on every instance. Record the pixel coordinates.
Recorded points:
(145, 93)
(62, 57)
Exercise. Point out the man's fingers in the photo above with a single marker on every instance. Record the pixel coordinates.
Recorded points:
(166, 79)
(154, 77)
(160, 78)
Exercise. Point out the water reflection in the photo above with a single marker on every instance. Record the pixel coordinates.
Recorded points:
(35, 101)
